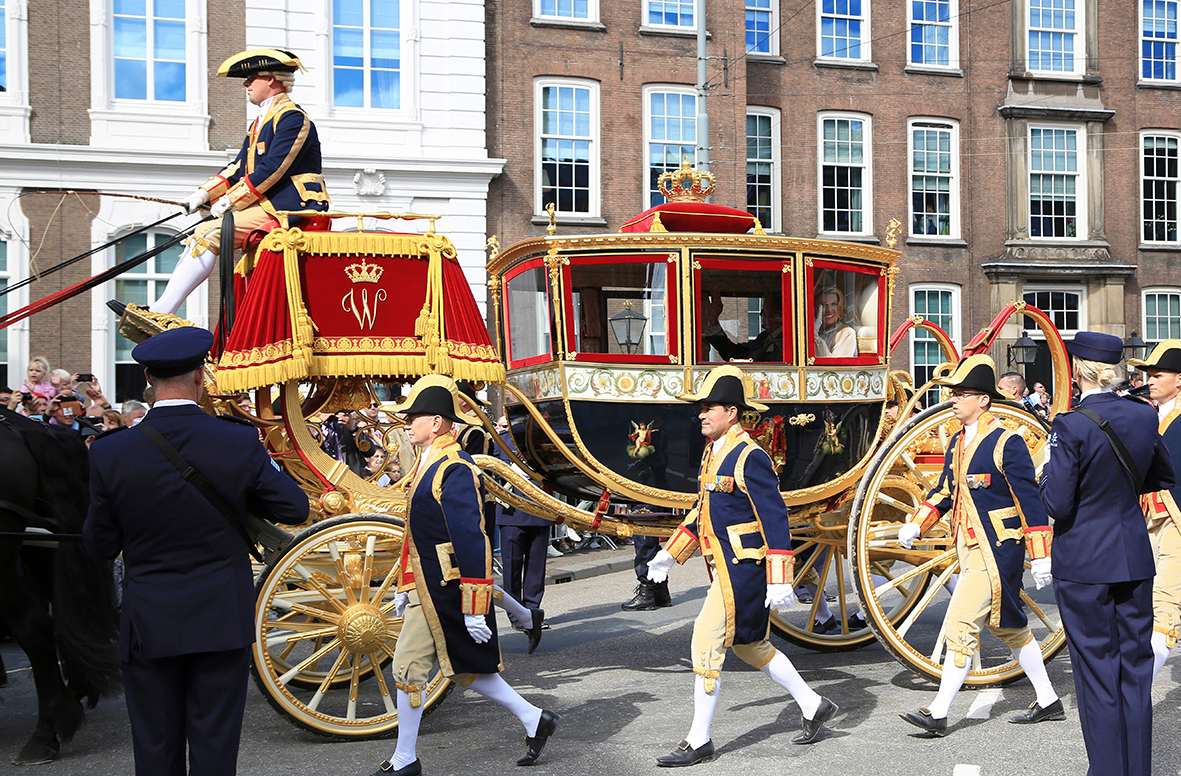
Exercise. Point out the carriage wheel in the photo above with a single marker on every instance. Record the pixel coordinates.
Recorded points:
(885, 573)
(324, 611)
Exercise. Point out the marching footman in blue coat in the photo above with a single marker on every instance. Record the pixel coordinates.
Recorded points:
(446, 590)
(740, 524)
(188, 591)
(1103, 564)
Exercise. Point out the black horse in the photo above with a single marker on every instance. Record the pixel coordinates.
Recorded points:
(45, 484)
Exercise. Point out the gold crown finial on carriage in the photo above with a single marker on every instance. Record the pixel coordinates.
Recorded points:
(364, 272)
(686, 184)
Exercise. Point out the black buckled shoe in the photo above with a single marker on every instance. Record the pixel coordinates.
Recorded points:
(1035, 714)
(811, 727)
(923, 719)
(413, 769)
(685, 755)
(534, 744)
(828, 626)
(857, 622)
(644, 600)
(534, 630)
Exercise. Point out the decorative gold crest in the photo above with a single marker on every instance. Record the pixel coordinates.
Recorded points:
(686, 184)
(364, 272)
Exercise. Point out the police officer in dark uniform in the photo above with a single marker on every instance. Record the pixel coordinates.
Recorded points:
(188, 592)
(1103, 565)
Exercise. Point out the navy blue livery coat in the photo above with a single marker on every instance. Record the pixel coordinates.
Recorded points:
(741, 521)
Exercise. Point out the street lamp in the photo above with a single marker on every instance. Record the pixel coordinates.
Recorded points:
(1134, 347)
(1023, 351)
(628, 327)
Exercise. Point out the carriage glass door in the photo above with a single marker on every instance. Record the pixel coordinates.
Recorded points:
(141, 285)
(527, 315)
(845, 319)
(622, 308)
(740, 308)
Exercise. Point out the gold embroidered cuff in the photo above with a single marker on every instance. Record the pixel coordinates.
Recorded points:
(682, 544)
(926, 516)
(780, 567)
(475, 595)
(1037, 541)
(414, 691)
(215, 186)
(242, 196)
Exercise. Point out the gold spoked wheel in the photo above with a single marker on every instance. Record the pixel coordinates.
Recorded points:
(325, 629)
(901, 474)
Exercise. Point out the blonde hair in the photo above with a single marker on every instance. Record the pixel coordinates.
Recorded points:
(1106, 376)
(43, 362)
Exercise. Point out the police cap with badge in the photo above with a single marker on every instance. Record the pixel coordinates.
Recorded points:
(174, 351)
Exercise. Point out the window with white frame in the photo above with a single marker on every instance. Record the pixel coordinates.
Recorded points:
(762, 166)
(934, 185)
(5, 275)
(845, 174)
(760, 27)
(366, 54)
(581, 10)
(1158, 40)
(1056, 186)
(567, 117)
(1056, 36)
(670, 124)
(1063, 306)
(670, 13)
(1162, 315)
(141, 285)
(843, 30)
(934, 38)
(149, 49)
(1158, 202)
(939, 304)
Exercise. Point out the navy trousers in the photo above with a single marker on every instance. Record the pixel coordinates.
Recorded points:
(1108, 630)
(646, 549)
(522, 556)
(199, 699)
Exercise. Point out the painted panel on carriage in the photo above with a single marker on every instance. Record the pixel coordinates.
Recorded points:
(833, 385)
(587, 382)
(765, 384)
(537, 384)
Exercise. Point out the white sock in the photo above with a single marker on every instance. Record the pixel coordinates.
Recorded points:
(823, 613)
(704, 704)
(1160, 653)
(408, 721)
(190, 272)
(949, 685)
(517, 612)
(783, 673)
(949, 585)
(1030, 658)
(495, 688)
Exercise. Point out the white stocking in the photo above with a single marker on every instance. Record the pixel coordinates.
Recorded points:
(1030, 658)
(783, 673)
(408, 721)
(495, 688)
(949, 685)
(190, 272)
(517, 612)
(704, 704)
(1160, 653)
(823, 613)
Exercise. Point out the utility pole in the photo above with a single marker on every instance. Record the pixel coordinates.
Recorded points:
(702, 112)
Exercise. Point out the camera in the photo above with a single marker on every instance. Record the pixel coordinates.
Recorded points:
(86, 377)
(26, 396)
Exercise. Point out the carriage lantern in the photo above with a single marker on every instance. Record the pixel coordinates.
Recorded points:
(1135, 347)
(1023, 351)
(628, 327)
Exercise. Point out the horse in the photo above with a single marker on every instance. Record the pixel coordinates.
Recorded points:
(46, 485)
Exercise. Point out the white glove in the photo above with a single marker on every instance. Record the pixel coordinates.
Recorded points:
(658, 567)
(477, 628)
(1040, 569)
(907, 534)
(400, 602)
(195, 200)
(780, 597)
(220, 207)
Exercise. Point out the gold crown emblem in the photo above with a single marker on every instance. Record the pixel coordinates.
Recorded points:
(364, 273)
(686, 184)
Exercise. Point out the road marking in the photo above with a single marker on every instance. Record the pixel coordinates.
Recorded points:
(966, 770)
(982, 705)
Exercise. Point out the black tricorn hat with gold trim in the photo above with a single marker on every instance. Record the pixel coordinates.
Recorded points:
(259, 61)
(1166, 356)
(467, 392)
(725, 385)
(436, 395)
(975, 373)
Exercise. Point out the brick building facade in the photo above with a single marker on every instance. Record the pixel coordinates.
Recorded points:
(1012, 140)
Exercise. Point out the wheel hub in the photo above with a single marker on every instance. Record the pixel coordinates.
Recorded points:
(363, 629)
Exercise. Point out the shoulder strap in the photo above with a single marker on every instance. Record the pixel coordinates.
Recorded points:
(1121, 452)
(194, 478)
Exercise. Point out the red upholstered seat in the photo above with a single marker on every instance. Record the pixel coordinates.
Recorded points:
(313, 224)
(692, 217)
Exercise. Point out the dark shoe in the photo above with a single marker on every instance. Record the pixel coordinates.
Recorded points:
(685, 755)
(534, 744)
(663, 597)
(413, 769)
(534, 631)
(812, 726)
(1035, 714)
(857, 622)
(644, 600)
(828, 626)
(923, 719)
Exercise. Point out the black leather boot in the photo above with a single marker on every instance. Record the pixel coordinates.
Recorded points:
(644, 600)
(660, 591)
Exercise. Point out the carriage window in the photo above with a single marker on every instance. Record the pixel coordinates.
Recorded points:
(621, 308)
(844, 313)
(527, 307)
(741, 315)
